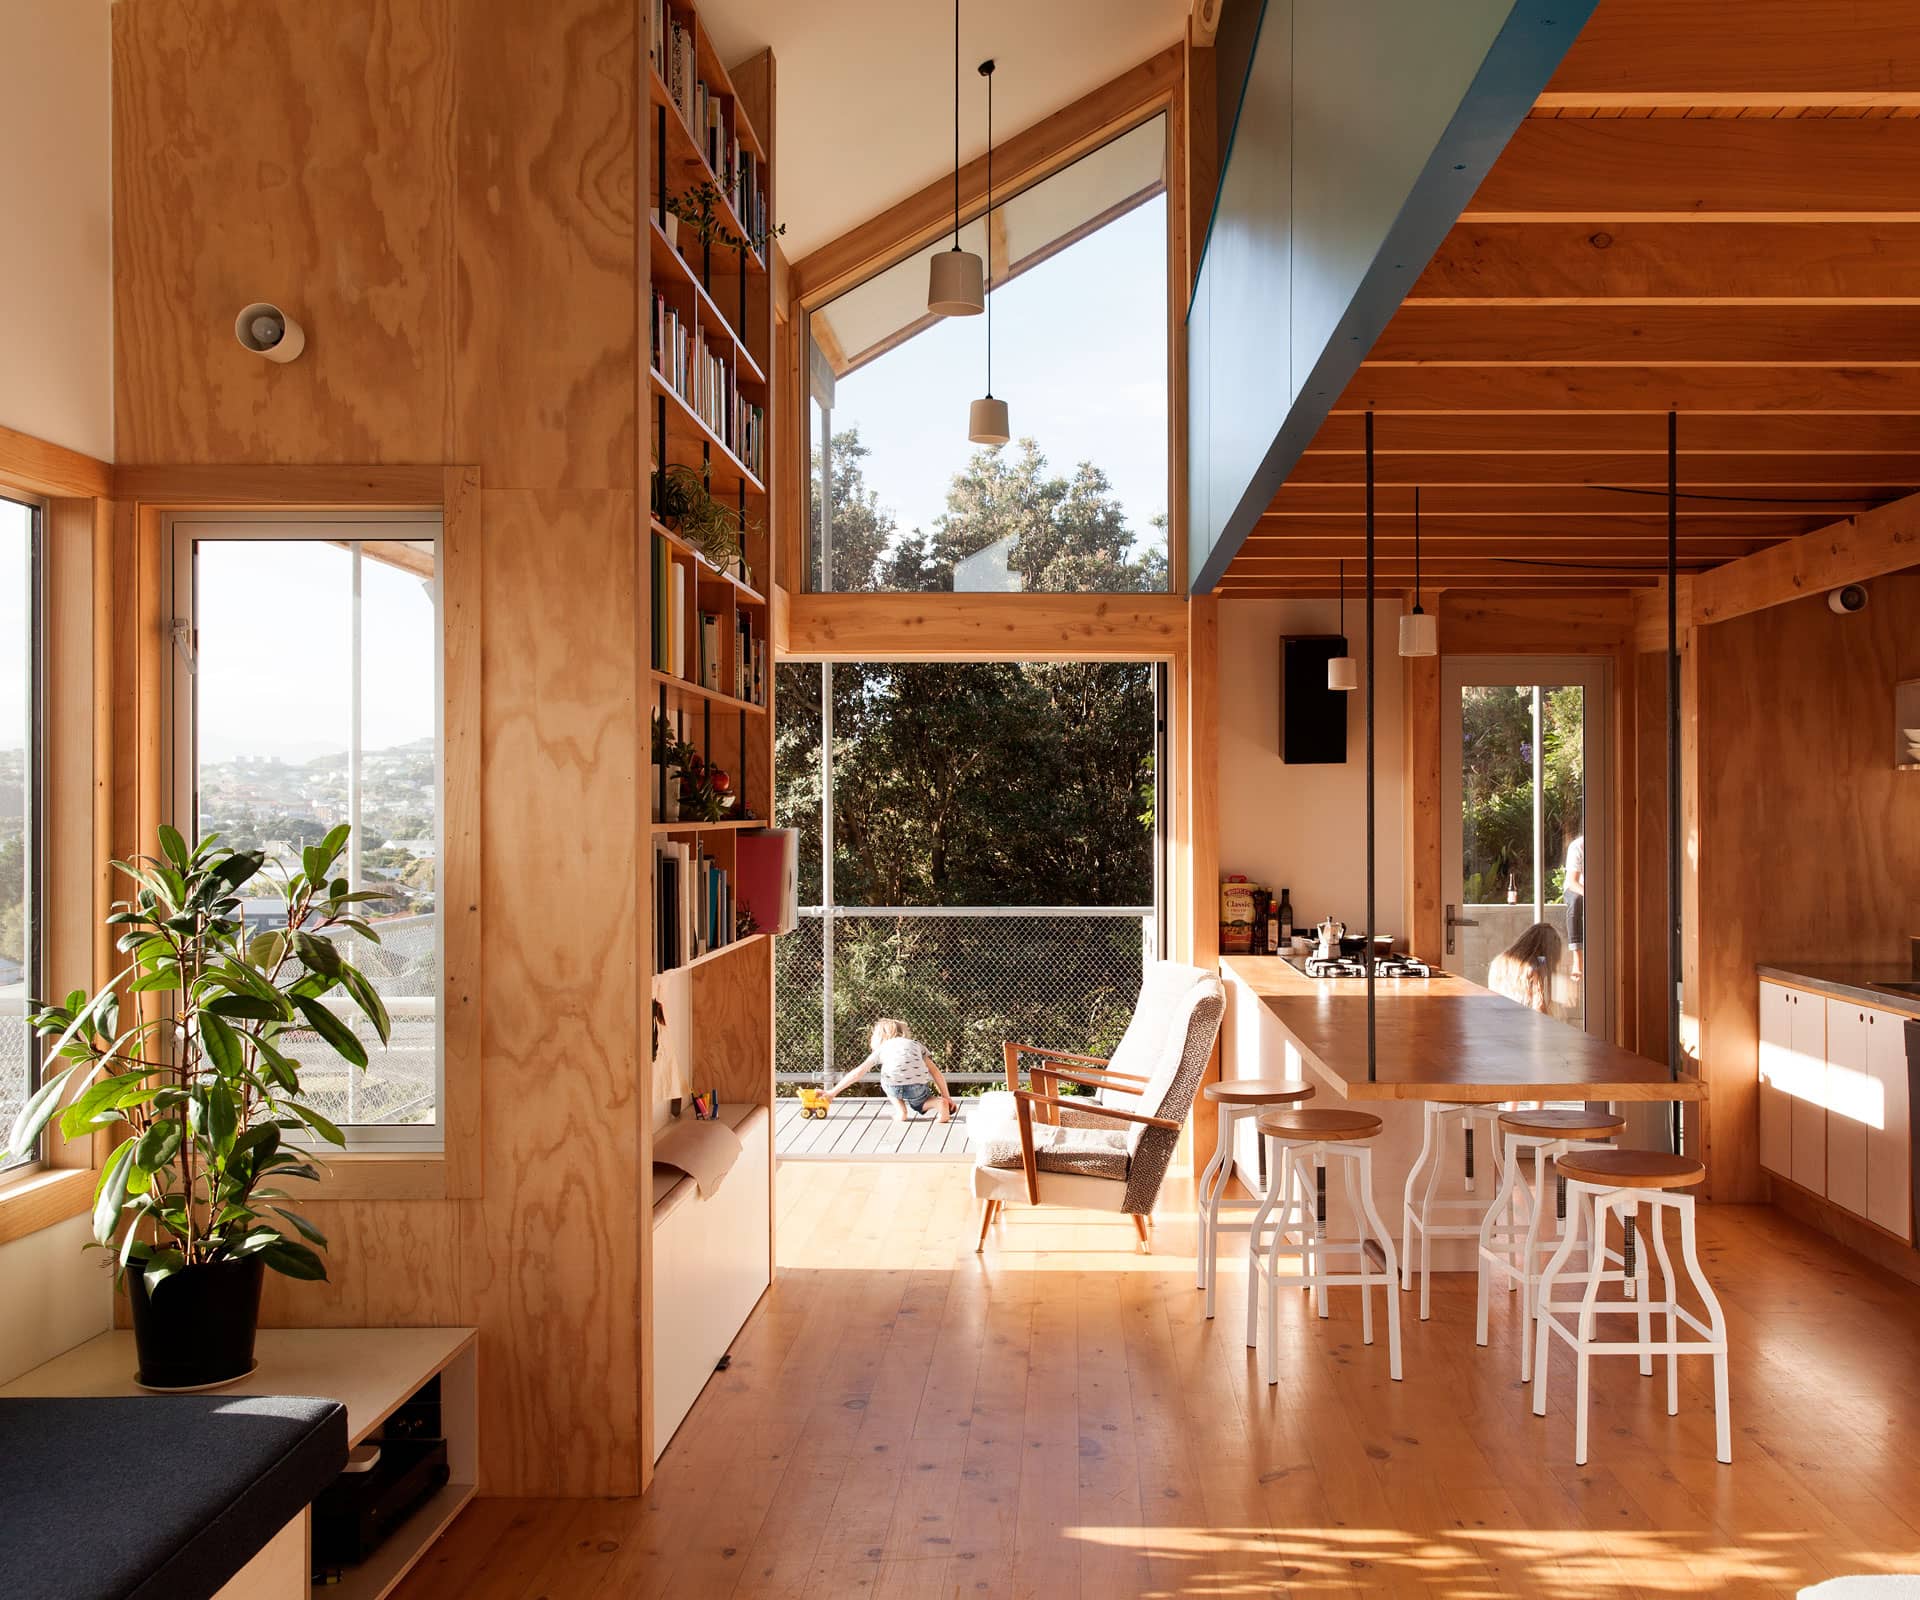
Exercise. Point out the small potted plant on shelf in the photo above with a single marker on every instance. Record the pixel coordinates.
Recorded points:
(189, 1054)
(711, 527)
(706, 792)
(670, 756)
(702, 209)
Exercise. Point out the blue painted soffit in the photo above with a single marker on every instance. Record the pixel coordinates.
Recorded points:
(1364, 128)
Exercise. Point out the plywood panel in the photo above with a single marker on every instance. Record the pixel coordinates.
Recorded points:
(732, 998)
(544, 242)
(552, 1248)
(270, 150)
(1808, 837)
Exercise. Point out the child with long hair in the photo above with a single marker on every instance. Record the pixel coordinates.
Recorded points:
(907, 1073)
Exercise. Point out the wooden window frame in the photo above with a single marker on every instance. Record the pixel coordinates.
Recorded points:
(146, 500)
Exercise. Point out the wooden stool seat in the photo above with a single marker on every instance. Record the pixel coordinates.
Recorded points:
(1321, 1127)
(1631, 1169)
(1562, 1124)
(1258, 1091)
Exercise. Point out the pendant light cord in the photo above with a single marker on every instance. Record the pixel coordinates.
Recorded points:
(1416, 549)
(1343, 605)
(956, 124)
(986, 69)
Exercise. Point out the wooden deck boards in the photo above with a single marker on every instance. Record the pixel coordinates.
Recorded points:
(865, 1130)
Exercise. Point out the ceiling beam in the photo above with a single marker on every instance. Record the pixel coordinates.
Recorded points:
(1533, 502)
(1850, 551)
(1645, 432)
(1582, 388)
(1636, 468)
(1712, 53)
(1700, 169)
(1399, 547)
(1500, 263)
(1641, 336)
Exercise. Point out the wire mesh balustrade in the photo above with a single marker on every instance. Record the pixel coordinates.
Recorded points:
(963, 978)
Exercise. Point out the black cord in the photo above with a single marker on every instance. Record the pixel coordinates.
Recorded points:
(1740, 499)
(1416, 549)
(986, 294)
(956, 124)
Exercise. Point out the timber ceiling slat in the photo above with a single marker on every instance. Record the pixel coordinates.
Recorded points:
(1714, 209)
(1690, 168)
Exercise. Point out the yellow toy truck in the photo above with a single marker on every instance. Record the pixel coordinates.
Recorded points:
(814, 1103)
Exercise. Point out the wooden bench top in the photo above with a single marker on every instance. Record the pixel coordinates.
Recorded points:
(1443, 1039)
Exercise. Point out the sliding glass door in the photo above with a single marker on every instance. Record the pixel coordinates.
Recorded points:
(1528, 867)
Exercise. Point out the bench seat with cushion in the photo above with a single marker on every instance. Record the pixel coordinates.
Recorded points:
(156, 1497)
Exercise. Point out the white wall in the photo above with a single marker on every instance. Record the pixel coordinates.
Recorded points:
(56, 280)
(1305, 827)
(57, 1293)
(56, 383)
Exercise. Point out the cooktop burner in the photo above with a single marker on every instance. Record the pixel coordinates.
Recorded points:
(1394, 966)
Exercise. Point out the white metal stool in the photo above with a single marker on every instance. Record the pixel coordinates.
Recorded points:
(1440, 1115)
(1300, 1145)
(1511, 1249)
(1233, 1099)
(1604, 1183)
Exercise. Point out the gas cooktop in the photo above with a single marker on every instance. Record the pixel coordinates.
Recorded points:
(1394, 966)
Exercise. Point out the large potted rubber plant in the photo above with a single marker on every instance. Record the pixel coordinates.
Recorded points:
(190, 1056)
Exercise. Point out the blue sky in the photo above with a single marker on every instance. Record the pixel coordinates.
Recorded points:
(1079, 355)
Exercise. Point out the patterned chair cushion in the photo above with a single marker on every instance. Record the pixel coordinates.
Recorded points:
(1089, 1152)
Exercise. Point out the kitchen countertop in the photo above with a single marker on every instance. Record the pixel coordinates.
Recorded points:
(1445, 1039)
(1850, 980)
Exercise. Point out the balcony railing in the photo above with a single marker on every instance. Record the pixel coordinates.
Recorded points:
(963, 978)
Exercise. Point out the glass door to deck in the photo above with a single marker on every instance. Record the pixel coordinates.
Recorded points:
(1527, 906)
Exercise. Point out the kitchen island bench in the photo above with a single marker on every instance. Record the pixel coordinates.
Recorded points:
(1438, 1039)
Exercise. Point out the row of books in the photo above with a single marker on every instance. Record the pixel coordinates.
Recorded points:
(669, 610)
(709, 384)
(675, 57)
(749, 659)
(695, 914)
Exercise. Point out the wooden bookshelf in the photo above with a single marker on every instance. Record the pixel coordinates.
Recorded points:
(708, 298)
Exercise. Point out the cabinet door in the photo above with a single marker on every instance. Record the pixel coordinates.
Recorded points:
(1852, 1105)
(1809, 1092)
(1776, 1059)
(1889, 1145)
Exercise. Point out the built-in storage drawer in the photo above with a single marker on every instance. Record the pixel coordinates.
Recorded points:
(1834, 1114)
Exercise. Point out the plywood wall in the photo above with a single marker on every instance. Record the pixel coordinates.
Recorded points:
(1809, 839)
(443, 193)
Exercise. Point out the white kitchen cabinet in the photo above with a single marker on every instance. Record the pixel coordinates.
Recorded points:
(1808, 1085)
(1853, 1104)
(1889, 1145)
(1776, 1069)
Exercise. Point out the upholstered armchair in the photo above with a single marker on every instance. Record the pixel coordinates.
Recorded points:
(1107, 1151)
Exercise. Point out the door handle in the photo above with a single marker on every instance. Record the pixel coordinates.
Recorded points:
(1455, 920)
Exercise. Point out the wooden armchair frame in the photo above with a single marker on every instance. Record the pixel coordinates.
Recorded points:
(1090, 1072)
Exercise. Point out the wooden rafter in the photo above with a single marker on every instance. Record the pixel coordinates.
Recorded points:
(1714, 209)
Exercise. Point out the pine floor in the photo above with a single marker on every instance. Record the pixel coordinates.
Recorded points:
(905, 1420)
(865, 1129)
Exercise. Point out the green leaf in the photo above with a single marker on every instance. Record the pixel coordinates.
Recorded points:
(37, 1113)
(110, 1194)
(175, 847)
(332, 845)
(267, 950)
(318, 1123)
(306, 1228)
(367, 998)
(244, 1008)
(317, 954)
(222, 1045)
(157, 1146)
(161, 979)
(332, 1029)
(295, 1260)
(220, 1117)
(162, 1265)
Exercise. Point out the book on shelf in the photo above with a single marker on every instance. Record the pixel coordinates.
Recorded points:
(696, 907)
(662, 605)
(749, 659)
(677, 622)
(710, 651)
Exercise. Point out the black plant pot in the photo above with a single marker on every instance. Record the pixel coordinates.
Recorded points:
(196, 1330)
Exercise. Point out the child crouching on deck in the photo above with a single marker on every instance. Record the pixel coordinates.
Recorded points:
(907, 1072)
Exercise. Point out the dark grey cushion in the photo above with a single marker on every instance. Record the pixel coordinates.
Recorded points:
(155, 1497)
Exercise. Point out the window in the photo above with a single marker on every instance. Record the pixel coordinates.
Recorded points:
(1077, 502)
(307, 674)
(19, 806)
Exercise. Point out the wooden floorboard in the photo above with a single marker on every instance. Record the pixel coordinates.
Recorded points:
(1057, 1417)
(866, 1130)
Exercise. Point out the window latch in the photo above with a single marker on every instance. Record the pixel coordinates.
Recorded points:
(183, 643)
